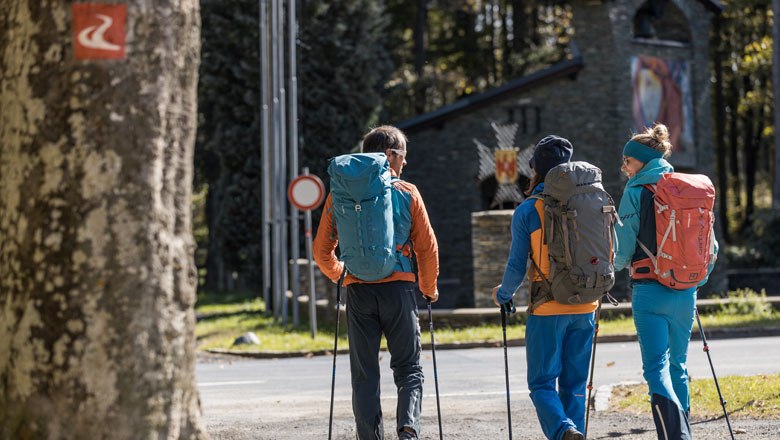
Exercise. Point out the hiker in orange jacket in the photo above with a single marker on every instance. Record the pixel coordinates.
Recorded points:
(389, 305)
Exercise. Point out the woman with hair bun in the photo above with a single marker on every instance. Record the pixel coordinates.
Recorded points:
(663, 316)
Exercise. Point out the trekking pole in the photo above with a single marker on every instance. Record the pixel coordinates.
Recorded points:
(435, 373)
(507, 307)
(335, 351)
(709, 358)
(592, 364)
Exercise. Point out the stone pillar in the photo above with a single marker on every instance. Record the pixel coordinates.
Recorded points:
(324, 289)
(491, 239)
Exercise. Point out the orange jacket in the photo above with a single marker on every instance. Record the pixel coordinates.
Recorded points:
(421, 235)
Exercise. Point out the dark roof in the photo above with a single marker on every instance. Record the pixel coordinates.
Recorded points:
(713, 5)
(568, 68)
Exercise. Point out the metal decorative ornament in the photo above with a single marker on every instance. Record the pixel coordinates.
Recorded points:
(506, 163)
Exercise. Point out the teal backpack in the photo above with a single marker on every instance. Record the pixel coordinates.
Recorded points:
(371, 221)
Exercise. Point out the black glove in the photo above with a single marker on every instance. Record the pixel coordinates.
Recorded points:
(508, 307)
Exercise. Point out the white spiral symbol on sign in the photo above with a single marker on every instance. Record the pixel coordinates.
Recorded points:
(93, 36)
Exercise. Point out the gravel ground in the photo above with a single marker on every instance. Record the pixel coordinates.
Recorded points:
(475, 418)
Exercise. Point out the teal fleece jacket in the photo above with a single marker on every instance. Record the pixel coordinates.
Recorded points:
(629, 212)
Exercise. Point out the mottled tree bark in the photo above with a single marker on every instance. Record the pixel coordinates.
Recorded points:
(97, 277)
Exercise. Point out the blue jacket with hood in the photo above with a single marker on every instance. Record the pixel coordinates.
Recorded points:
(629, 210)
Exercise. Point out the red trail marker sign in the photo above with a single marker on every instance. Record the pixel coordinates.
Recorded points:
(99, 31)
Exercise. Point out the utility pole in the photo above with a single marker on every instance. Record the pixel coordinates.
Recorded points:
(265, 136)
(292, 114)
(279, 125)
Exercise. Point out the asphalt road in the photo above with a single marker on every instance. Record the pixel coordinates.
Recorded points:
(289, 398)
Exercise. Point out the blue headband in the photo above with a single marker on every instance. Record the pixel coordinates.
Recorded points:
(641, 152)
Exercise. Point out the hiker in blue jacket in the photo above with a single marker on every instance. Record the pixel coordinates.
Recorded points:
(663, 316)
(558, 336)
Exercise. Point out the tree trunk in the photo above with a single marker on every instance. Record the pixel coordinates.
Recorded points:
(97, 276)
(720, 117)
(469, 42)
(419, 36)
(749, 153)
(776, 114)
(506, 47)
(491, 34)
(214, 208)
(518, 30)
(736, 187)
(420, 25)
(751, 165)
(533, 24)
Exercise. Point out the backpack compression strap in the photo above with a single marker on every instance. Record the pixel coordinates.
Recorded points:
(548, 296)
(671, 228)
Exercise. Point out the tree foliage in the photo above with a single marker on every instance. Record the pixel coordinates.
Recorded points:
(343, 66)
(469, 46)
(228, 151)
(745, 55)
(363, 62)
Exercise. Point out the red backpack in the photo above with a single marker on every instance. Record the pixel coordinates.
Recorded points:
(685, 239)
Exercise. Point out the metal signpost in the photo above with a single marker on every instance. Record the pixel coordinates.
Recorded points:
(306, 192)
(279, 138)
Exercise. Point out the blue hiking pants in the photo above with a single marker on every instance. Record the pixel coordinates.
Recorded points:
(389, 309)
(663, 319)
(558, 349)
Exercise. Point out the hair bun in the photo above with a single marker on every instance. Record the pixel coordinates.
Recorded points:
(661, 133)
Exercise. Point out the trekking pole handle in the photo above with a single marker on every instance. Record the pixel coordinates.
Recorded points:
(508, 307)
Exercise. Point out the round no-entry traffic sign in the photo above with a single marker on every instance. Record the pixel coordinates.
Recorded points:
(306, 192)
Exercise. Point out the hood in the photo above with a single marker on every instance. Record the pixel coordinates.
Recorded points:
(650, 173)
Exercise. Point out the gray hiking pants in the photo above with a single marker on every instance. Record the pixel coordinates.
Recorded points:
(389, 309)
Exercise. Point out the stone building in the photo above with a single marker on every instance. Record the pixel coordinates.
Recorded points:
(592, 98)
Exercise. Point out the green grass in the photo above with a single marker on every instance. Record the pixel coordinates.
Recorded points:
(220, 333)
(236, 314)
(756, 397)
(228, 303)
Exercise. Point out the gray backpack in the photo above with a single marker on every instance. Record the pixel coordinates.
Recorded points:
(579, 231)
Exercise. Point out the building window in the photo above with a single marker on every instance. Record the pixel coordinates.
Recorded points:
(661, 21)
(527, 117)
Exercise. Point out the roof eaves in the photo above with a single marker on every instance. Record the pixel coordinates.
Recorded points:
(472, 102)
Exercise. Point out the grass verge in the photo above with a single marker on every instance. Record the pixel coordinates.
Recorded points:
(755, 397)
(225, 317)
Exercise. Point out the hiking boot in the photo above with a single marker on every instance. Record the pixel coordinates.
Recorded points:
(572, 434)
(407, 435)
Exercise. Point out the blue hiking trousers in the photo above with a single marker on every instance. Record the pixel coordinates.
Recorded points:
(389, 309)
(664, 319)
(558, 350)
